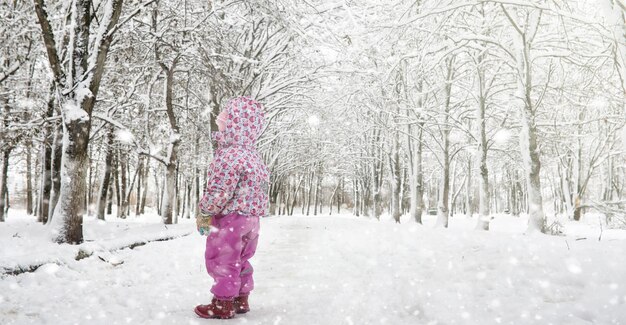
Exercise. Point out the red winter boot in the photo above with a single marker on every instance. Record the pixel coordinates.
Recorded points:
(222, 309)
(241, 305)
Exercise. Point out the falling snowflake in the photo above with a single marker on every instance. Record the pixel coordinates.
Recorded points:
(124, 136)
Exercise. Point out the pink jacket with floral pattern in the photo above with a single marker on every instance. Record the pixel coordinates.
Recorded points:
(238, 180)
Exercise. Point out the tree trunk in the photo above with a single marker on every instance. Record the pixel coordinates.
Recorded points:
(159, 193)
(177, 196)
(530, 152)
(319, 194)
(106, 177)
(469, 212)
(295, 195)
(29, 179)
(89, 187)
(46, 179)
(77, 89)
(483, 208)
(536, 221)
(197, 186)
(340, 195)
(116, 181)
(577, 177)
(357, 198)
(444, 191)
(528, 135)
(188, 202)
(46, 162)
(68, 213)
(139, 183)
(146, 176)
(122, 204)
(332, 198)
(169, 195)
(4, 169)
(396, 178)
(376, 175)
(57, 154)
(414, 156)
(310, 193)
(316, 199)
(274, 190)
(419, 180)
(36, 182)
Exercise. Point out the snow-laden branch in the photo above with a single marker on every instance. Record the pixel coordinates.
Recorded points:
(33, 124)
(49, 41)
(129, 17)
(12, 69)
(159, 158)
(110, 120)
(430, 13)
(535, 5)
(140, 150)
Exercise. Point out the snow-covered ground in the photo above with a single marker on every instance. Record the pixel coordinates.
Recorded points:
(328, 270)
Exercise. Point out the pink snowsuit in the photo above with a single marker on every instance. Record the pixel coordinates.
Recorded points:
(236, 195)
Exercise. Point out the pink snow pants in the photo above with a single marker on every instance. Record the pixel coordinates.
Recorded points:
(228, 250)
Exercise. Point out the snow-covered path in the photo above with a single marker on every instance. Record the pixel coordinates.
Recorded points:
(342, 270)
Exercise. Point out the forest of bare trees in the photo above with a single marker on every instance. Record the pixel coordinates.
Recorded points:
(374, 107)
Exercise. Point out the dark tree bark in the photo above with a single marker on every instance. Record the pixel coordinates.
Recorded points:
(106, 176)
(46, 163)
(4, 168)
(139, 183)
(123, 204)
(116, 181)
(146, 175)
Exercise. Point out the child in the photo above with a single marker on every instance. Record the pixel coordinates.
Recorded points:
(235, 197)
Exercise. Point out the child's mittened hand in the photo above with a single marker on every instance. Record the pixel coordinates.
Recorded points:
(203, 224)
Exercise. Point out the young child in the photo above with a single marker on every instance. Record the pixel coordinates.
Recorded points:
(236, 195)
